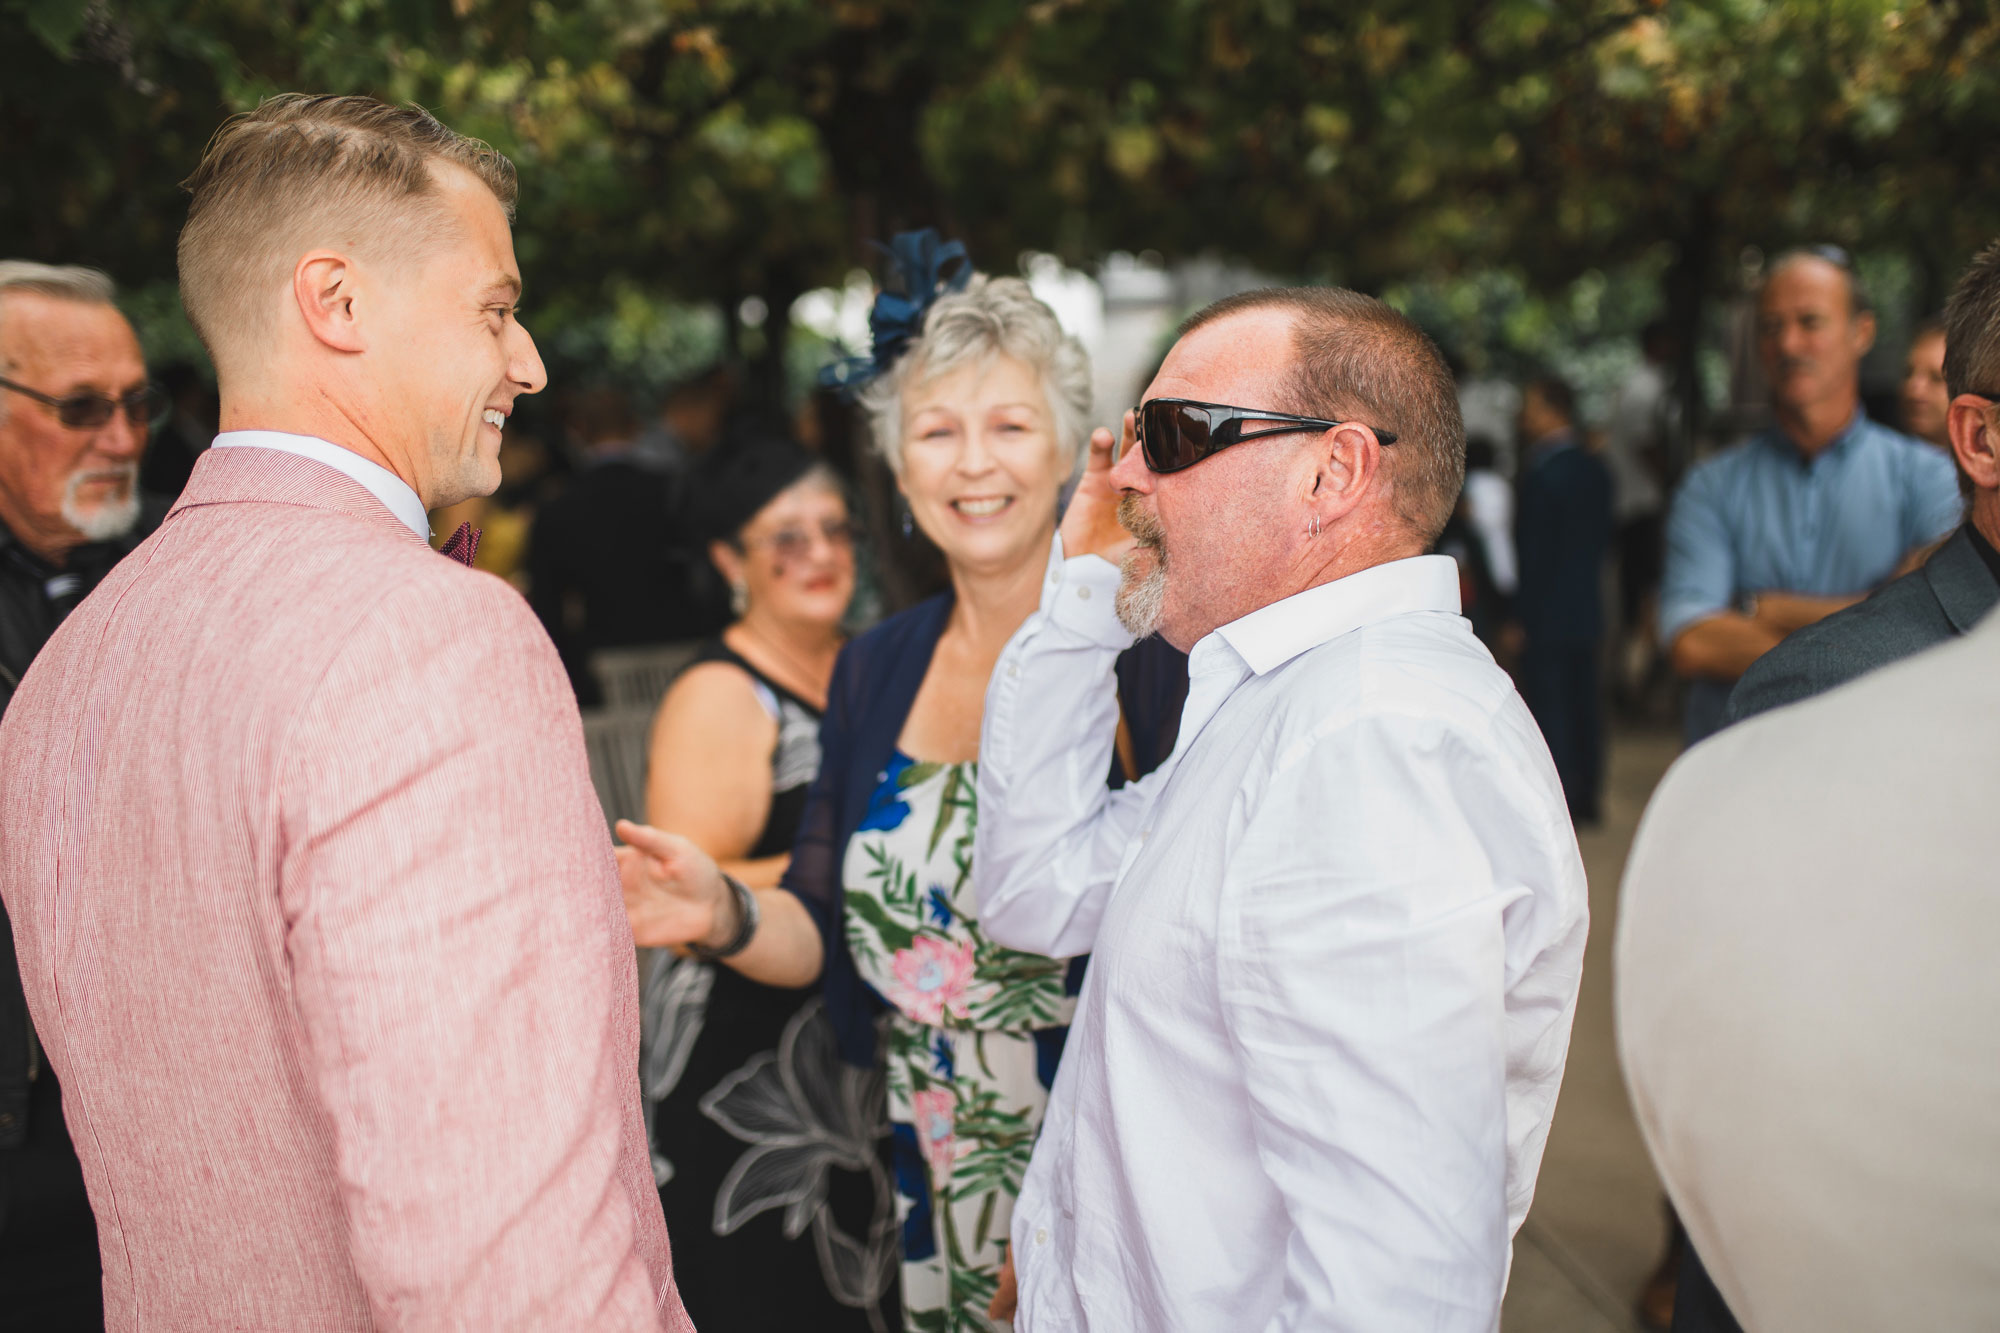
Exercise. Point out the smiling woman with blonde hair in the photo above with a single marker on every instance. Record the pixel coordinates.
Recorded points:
(983, 420)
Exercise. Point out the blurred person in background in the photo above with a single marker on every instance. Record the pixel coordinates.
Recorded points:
(735, 746)
(1563, 533)
(1635, 449)
(1959, 584)
(690, 422)
(1489, 512)
(982, 417)
(188, 430)
(74, 411)
(1804, 518)
(1924, 398)
(609, 565)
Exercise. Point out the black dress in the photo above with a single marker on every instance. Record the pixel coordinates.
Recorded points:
(769, 1151)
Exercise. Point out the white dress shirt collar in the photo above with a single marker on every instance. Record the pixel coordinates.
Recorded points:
(1273, 635)
(394, 493)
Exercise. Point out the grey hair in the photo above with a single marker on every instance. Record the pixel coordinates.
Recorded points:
(1860, 300)
(992, 316)
(66, 282)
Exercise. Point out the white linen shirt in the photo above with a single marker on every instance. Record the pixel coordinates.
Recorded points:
(396, 495)
(1335, 946)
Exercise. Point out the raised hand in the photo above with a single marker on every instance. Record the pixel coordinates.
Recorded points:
(674, 893)
(1090, 525)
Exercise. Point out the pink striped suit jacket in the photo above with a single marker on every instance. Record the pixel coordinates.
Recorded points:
(320, 924)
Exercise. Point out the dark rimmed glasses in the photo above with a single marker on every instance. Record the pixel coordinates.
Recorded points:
(1177, 433)
(87, 411)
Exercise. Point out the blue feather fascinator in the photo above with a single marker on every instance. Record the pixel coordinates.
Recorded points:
(922, 267)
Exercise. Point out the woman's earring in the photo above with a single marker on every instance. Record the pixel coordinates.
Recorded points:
(1313, 532)
(739, 598)
(909, 522)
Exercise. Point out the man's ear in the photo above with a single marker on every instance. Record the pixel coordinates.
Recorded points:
(1973, 441)
(1350, 461)
(324, 287)
(1864, 328)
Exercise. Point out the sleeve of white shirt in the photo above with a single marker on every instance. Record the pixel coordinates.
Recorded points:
(1363, 969)
(1051, 834)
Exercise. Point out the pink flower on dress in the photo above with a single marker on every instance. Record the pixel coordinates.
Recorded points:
(931, 978)
(937, 1128)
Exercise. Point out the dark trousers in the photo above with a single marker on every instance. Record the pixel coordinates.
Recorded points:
(1698, 1306)
(49, 1275)
(1559, 682)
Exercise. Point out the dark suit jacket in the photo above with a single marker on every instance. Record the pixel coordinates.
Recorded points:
(1562, 529)
(1929, 606)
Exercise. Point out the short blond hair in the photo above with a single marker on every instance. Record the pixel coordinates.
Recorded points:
(992, 316)
(303, 170)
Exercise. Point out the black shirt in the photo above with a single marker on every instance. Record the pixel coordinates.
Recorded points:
(48, 1239)
(35, 595)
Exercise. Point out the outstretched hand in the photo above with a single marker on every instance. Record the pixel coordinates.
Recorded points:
(674, 892)
(1090, 525)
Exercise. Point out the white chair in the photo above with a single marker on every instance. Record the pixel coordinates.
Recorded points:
(616, 741)
(638, 677)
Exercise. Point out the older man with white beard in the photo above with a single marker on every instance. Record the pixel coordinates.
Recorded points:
(74, 407)
(1336, 939)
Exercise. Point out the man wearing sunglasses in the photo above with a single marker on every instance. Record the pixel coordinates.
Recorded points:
(1336, 940)
(74, 408)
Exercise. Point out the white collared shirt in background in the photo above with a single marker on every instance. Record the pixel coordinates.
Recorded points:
(1336, 942)
(384, 485)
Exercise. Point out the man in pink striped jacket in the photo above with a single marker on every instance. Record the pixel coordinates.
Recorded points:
(314, 905)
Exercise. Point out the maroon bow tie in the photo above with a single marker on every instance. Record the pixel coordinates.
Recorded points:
(462, 545)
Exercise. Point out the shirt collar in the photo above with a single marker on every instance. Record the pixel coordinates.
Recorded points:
(395, 493)
(1784, 444)
(1273, 635)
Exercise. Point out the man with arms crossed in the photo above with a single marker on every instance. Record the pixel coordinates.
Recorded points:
(315, 909)
(1803, 519)
(1335, 942)
(1960, 583)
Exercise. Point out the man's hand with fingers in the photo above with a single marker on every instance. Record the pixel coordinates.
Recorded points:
(674, 892)
(1090, 525)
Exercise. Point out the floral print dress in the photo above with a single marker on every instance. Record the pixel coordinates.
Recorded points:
(971, 1041)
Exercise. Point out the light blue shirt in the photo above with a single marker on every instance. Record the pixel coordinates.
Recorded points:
(395, 494)
(1761, 517)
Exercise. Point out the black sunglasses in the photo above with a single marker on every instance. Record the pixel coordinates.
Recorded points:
(87, 411)
(1177, 433)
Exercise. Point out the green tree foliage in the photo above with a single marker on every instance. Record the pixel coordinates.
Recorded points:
(708, 150)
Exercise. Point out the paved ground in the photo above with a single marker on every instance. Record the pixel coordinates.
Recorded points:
(1596, 1229)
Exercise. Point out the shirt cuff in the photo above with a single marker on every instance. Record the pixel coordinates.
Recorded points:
(1081, 596)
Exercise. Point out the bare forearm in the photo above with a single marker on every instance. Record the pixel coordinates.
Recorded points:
(1786, 612)
(786, 950)
(1723, 646)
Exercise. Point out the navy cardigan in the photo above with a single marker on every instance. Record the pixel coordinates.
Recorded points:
(875, 681)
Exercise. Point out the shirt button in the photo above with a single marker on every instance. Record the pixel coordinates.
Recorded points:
(1013, 670)
(1041, 1235)
(1083, 594)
